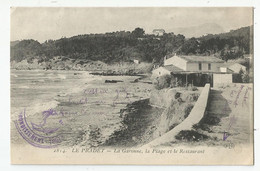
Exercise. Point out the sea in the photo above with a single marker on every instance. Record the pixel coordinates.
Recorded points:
(88, 109)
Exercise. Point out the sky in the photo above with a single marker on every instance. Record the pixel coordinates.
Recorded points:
(53, 23)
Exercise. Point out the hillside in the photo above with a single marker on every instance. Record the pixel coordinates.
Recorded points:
(230, 45)
(197, 31)
(125, 46)
(13, 43)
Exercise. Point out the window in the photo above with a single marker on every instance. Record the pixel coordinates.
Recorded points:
(209, 66)
(199, 66)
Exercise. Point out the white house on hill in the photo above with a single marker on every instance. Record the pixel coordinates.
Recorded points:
(136, 61)
(158, 32)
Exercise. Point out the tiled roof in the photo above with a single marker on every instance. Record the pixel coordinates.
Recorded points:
(228, 64)
(201, 59)
(173, 68)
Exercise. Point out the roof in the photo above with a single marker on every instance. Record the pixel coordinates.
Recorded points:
(206, 59)
(172, 68)
(228, 64)
(162, 30)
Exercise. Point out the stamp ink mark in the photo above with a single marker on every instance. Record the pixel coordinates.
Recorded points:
(232, 121)
(225, 136)
(246, 96)
(34, 138)
(238, 94)
(40, 127)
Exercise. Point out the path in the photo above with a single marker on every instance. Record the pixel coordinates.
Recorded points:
(229, 115)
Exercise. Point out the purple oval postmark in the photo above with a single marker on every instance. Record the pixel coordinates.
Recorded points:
(38, 134)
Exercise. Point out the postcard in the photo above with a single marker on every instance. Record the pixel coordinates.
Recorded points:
(132, 85)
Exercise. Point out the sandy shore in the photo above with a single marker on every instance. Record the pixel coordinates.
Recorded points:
(87, 113)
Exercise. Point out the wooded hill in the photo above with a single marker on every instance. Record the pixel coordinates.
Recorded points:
(127, 46)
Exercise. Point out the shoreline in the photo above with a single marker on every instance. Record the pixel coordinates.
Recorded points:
(91, 72)
(98, 106)
(139, 120)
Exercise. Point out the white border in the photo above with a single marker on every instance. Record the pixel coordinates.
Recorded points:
(5, 74)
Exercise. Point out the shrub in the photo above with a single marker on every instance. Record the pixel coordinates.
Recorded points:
(192, 88)
(245, 77)
(192, 97)
(241, 77)
(180, 100)
(162, 82)
(187, 110)
(189, 136)
(173, 82)
(236, 78)
(177, 95)
(179, 83)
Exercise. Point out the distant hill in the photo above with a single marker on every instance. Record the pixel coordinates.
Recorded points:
(241, 32)
(125, 46)
(197, 31)
(236, 43)
(13, 43)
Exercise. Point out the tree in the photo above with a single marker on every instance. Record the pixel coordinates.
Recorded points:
(138, 32)
(162, 82)
(190, 46)
(125, 46)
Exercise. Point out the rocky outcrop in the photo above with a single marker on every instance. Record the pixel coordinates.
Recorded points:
(194, 117)
(177, 103)
(96, 67)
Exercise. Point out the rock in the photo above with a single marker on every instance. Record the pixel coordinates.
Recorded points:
(112, 81)
(177, 95)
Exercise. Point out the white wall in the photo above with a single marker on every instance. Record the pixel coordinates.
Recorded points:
(192, 66)
(221, 79)
(223, 69)
(160, 71)
(204, 67)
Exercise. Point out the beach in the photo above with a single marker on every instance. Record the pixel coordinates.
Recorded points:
(86, 108)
